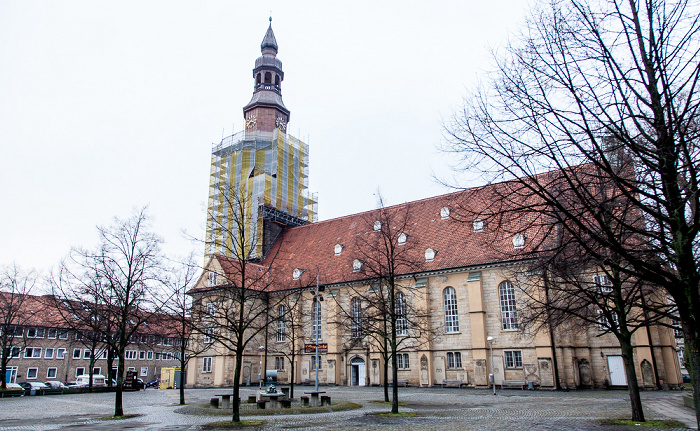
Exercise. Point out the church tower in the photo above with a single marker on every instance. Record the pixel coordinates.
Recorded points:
(259, 176)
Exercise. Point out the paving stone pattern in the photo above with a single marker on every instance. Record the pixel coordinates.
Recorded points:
(436, 409)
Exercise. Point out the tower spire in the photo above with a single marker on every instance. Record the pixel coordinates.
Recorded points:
(266, 110)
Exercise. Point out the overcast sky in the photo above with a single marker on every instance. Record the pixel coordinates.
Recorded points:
(110, 106)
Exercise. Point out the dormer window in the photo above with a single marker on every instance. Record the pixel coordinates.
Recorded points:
(212, 278)
(429, 254)
(444, 213)
(518, 240)
(356, 265)
(338, 249)
(377, 226)
(297, 273)
(478, 225)
(402, 238)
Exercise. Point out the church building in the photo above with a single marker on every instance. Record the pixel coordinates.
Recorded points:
(454, 281)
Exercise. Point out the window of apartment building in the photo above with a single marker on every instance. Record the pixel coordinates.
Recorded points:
(130, 354)
(478, 225)
(131, 369)
(157, 356)
(51, 372)
(63, 334)
(15, 331)
(314, 362)
(211, 309)
(212, 279)
(168, 356)
(677, 328)
(206, 364)
(356, 309)
(79, 336)
(316, 325)
(51, 333)
(451, 317)
(604, 324)
(281, 317)
(454, 360)
(60, 353)
(149, 355)
(603, 283)
(102, 354)
(402, 361)
(514, 358)
(279, 363)
(144, 371)
(15, 352)
(97, 370)
(208, 335)
(35, 332)
(76, 353)
(142, 355)
(402, 238)
(87, 354)
(48, 353)
(79, 371)
(168, 341)
(32, 352)
(509, 315)
(401, 322)
(32, 373)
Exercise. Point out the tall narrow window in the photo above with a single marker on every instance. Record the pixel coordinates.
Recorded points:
(281, 329)
(316, 320)
(451, 317)
(509, 315)
(401, 322)
(356, 306)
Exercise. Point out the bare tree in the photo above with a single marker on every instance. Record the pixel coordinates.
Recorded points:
(593, 83)
(122, 278)
(15, 289)
(288, 322)
(177, 321)
(234, 311)
(387, 313)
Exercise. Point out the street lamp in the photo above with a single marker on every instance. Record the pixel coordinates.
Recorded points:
(262, 349)
(493, 375)
(317, 323)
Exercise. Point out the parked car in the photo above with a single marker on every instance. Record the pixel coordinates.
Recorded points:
(55, 384)
(13, 390)
(33, 387)
(83, 381)
(686, 378)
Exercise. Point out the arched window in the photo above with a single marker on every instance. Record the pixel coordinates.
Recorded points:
(257, 79)
(316, 323)
(356, 306)
(277, 80)
(451, 317)
(268, 78)
(281, 330)
(509, 315)
(401, 322)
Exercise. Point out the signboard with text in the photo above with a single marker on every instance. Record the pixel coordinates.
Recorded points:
(311, 348)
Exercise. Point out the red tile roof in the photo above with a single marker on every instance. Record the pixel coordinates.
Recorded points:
(311, 247)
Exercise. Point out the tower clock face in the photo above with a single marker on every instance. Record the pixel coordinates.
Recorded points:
(251, 121)
(281, 124)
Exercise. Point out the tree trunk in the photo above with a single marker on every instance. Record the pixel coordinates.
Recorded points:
(386, 378)
(118, 404)
(291, 377)
(183, 378)
(237, 386)
(631, 374)
(692, 349)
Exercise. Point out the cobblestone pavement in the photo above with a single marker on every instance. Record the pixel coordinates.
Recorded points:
(435, 408)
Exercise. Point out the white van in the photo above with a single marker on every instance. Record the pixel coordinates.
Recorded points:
(97, 380)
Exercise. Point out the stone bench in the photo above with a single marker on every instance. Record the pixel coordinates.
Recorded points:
(252, 399)
(400, 382)
(325, 400)
(261, 404)
(304, 401)
(226, 400)
(452, 383)
(286, 404)
(513, 384)
(309, 382)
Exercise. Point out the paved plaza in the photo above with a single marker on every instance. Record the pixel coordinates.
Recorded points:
(435, 408)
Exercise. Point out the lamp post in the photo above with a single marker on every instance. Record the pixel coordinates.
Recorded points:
(317, 324)
(493, 374)
(260, 376)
